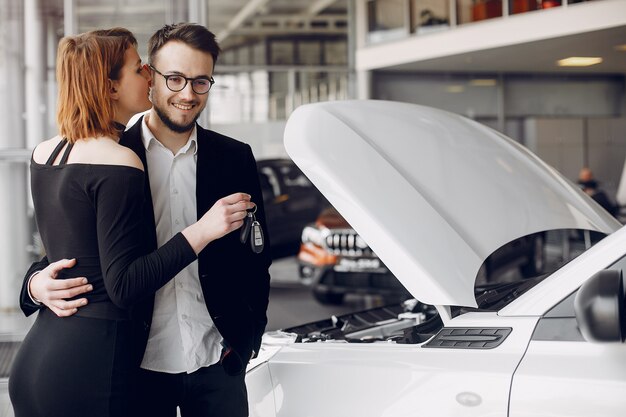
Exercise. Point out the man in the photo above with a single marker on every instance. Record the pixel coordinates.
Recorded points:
(590, 186)
(195, 337)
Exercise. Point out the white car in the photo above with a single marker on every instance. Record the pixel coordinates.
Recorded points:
(434, 194)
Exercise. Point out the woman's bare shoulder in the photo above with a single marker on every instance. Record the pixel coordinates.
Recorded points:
(104, 151)
(115, 154)
(42, 152)
(101, 151)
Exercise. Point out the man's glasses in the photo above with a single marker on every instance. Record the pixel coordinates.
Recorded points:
(176, 82)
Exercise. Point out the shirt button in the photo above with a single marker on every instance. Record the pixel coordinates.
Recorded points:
(177, 222)
(184, 317)
(174, 191)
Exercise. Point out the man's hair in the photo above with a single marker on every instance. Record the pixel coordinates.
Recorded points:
(85, 64)
(191, 34)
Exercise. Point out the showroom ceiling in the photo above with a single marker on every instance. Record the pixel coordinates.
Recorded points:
(539, 56)
(233, 21)
(238, 22)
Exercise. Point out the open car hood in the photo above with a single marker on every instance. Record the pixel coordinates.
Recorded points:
(431, 192)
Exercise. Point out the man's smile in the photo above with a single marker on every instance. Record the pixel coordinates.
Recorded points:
(180, 106)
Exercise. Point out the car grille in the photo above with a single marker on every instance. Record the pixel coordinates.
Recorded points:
(347, 242)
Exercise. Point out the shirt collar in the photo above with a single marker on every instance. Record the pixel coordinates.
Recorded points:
(147, 137)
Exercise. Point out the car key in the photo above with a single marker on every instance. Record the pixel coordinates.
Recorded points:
(256, 239)
(245, 228)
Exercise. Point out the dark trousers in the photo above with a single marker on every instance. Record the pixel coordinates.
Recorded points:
(208, 392)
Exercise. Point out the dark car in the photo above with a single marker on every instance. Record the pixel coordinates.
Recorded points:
(334, 260)
(291, 202)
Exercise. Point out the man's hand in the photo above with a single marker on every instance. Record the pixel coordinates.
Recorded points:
(226, 215)
(45, 288)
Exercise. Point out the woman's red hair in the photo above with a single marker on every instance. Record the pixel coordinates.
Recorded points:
(85, 65)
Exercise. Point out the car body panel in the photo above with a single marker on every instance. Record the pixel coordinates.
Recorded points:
(393, 380)
(570, 378)
(260, 391)
(420, 184)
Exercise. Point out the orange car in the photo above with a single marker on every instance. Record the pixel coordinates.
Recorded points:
(335, 260)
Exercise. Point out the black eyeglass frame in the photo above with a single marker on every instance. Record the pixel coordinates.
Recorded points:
(187, 79)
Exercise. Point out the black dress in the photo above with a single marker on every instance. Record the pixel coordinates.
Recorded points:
(82, 365)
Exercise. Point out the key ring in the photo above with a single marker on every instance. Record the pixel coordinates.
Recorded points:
(252, 212)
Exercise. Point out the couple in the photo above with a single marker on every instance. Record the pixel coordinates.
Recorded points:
(131, 329)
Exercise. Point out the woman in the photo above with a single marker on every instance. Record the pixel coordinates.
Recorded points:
(88, 195)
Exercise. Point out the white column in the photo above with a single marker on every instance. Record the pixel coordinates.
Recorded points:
(34, 70)
(13, 189)
(70, 18)
(197, 12)
(176, 12)
(51, 87)
(501, 110)
(364, 84)
(363, 78)
(352, 42)
(291, 90)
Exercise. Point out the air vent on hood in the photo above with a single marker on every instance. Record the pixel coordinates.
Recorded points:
(468, 338)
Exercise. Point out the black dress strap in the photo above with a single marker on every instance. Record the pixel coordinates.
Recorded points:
(66, 154)
(56, 151)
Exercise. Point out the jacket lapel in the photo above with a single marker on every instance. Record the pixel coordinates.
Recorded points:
(208, 171)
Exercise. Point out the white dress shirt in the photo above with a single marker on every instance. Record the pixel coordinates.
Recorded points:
(183, 337)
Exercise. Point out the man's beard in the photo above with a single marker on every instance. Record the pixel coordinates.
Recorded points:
(173, 126)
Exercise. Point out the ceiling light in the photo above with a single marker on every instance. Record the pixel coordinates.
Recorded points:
(483, 82)
(455, 89)
(579, 61)
(621, 48)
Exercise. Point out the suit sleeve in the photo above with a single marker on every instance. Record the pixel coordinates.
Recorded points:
(27, 305)
(258, 287)
(129, 276)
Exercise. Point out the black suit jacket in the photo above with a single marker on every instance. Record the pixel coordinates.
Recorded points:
(234, 280)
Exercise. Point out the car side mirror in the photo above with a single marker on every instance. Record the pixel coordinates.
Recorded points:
(599, 307)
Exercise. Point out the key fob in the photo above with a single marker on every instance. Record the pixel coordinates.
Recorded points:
(245, 229)
(257, 243)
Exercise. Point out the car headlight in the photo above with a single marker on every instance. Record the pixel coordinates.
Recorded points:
(313, 235)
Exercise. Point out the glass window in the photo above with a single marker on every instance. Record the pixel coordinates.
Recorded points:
(227, 57)
(547, 4)
(522, 6)
(386, 19)
(309, 53)
(258, 54)
(477, 10)
(429, 15)
(281, 53)
(243, 55)
(94, 14)
(336, 52)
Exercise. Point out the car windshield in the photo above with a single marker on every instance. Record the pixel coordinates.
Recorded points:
(521, 264)
(494, 297)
